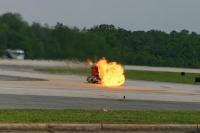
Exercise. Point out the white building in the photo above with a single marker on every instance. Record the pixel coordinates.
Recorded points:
(13, 54)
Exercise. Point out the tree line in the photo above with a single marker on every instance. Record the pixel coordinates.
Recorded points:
(150, 48)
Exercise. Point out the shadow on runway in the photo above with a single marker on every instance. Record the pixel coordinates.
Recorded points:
(19, 78)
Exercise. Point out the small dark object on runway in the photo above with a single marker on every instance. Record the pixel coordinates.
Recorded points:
(183, 73)
(197, 79)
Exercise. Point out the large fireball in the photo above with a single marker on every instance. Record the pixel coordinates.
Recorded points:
(111, 73)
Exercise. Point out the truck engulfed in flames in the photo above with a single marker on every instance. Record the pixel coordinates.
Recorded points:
(110, 74)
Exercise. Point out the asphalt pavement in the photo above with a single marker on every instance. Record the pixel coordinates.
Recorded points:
(22, 87)
(60, 102)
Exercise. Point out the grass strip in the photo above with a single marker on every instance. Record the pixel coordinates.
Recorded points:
(98, 116)
(175, 77)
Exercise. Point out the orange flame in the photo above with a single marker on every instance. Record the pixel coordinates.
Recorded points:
(90, 62)
(111, 73)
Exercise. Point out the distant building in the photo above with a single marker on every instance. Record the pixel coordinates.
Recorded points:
(13, 54)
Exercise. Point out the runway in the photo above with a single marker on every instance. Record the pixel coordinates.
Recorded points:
(61, 102)
(30, 89)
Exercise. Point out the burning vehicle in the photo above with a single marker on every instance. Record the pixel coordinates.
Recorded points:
(106, 73)
(94, 77)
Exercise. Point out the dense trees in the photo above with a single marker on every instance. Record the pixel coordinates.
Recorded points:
(44, 42)
(154, 47)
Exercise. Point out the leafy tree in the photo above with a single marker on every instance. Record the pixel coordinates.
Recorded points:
(153, 47)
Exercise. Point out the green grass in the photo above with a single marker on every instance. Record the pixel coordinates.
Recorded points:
(175, 77)
(98, 116)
